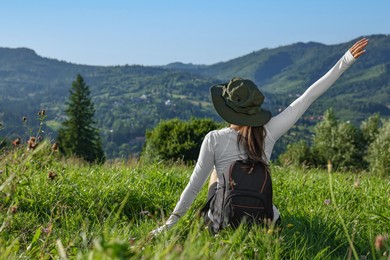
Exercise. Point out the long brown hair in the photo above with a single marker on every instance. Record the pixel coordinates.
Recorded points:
(252, 139)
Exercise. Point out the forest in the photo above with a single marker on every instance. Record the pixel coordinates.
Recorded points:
(131, 99)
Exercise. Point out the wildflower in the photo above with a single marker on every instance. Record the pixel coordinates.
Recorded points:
(41, 112)
(24, 119)
(40, 138)
(31, 144)
(146, 213)
(54, 147)
(45, 230)
(14, 209)
(327, 201)
(48, 229)
(380, 242)
(16, 142)
(52, 175)
(356, 183)
(132, 241)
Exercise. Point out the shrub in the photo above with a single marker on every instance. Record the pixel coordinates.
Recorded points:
(339, 142)
(297, 154)
(370, 128)
(378, 151)
(176, 139)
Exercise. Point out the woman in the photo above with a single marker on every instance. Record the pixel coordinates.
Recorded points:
(252, 132)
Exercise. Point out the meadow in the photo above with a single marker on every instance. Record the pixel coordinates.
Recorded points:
(56, 208)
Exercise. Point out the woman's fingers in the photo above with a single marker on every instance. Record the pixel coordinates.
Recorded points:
(360, 44)
(358, 48)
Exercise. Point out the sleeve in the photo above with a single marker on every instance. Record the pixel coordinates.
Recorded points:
(199, 176)
(282, 122)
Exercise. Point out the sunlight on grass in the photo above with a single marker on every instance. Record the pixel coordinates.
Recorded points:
(55, 208)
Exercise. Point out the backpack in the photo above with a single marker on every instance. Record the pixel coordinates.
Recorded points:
(244, 197)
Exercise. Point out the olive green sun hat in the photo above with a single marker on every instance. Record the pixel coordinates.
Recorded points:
(239, 102)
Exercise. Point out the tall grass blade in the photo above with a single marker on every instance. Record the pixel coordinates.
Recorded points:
(352, 247)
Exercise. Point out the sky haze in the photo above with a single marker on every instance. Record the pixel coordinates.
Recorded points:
(151, 32)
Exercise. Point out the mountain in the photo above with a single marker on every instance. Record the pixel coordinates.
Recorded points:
(130, 99)
(286, 72)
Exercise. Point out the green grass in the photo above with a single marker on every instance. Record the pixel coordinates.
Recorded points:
(107, 211)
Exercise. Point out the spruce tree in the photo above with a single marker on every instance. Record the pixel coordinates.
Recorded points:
(78, 136)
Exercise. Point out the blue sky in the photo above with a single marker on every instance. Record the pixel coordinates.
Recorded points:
(151, 32)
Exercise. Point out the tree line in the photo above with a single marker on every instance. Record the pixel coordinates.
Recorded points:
(344, 145)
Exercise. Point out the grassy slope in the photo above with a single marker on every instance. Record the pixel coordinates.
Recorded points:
(106, 212)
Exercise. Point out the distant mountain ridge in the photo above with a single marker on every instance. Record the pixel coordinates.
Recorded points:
(289, 70)
(130, 99)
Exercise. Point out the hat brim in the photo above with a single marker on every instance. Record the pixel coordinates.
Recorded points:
(233, 117)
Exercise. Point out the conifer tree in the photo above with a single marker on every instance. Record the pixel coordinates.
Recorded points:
(78, 136)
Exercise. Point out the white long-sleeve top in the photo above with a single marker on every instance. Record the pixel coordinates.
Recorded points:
(219, 147)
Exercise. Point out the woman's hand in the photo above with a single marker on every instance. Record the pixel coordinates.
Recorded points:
(358, 48)
(157, 231)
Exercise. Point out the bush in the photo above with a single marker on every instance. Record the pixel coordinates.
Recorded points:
(379, 150)
(297, 154)
(370, 128)
(339, 142)
(176, 139)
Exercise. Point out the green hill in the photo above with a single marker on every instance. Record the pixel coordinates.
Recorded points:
(287, 71)
(130, 99)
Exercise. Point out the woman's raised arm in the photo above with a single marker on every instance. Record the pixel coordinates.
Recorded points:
(282, 122)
